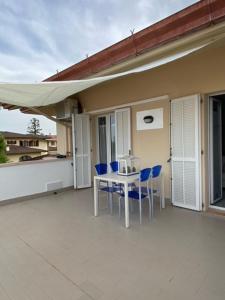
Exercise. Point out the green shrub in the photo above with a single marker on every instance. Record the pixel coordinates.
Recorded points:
(3, 156)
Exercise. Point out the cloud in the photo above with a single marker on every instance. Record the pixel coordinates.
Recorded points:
(38, 37)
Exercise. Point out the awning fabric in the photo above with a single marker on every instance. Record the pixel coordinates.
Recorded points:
(47, 93)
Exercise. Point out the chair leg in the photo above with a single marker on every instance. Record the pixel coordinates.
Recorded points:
(152, 200)
(140, 211)
(131, 207)
(150, 207)
(119, 207)
(160, 201)
(111, 203)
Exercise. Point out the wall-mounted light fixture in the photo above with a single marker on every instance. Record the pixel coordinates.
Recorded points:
(148, 119)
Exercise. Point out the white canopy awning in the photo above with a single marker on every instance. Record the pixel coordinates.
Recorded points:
(46, 93)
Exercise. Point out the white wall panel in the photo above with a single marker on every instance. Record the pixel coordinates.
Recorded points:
(157, 119)
(25, 179)
(186, 159)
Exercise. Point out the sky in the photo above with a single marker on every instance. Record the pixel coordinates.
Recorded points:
(38, 37)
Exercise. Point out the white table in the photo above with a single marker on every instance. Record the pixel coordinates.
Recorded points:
(113, 177)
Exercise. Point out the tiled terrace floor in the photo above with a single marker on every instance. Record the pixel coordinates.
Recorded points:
(53, 248)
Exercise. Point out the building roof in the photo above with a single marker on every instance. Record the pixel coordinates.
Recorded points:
(181, 25)
(52, 149)
(51, 137)
(196, 17)
(14, 149)
(15, 135)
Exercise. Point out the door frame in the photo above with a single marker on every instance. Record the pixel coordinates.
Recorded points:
(129, 128)
(108, 131)
(108, 135)
(209, 152)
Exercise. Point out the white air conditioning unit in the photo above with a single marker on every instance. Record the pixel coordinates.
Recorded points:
(65, 108)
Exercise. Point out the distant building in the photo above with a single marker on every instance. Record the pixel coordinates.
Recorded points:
(52, 144)
(21, 147)
(21, 153)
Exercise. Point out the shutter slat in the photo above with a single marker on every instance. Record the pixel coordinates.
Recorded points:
(185, 140)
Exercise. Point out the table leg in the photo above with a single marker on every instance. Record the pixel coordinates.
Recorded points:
(111, 199)
(95, 197)
(127, 222)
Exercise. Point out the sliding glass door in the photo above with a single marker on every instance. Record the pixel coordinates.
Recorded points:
(113, 135)
(106, 138)
(215, 149)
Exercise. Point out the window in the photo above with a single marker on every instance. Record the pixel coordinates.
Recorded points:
(12, 142)
(106, 138)
(113, 137)
(24, 143)
(32, 143)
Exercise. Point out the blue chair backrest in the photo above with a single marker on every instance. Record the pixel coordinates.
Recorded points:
(156, 171)
(101, 169)
(145, 174)
(114, 166)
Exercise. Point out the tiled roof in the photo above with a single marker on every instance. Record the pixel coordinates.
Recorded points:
(52, 148)
(9, 135)
(51, 137)
(14, 149)
(194, 18)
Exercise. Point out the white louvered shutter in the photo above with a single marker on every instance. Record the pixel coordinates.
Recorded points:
(123, 132)
(185, 142)
(82, 151)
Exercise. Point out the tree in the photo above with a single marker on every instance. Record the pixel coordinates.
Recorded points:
(34, 127)
(3, 156)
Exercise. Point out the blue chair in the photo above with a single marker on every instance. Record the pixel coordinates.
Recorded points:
(114, 166)
(155, 186)
(102, 169)
(137, 195)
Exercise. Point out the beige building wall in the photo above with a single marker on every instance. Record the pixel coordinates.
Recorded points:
(61, 134)
(199, 73)
(42, 145)
(152, 146)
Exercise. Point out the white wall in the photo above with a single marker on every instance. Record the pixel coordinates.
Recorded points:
(24, 179)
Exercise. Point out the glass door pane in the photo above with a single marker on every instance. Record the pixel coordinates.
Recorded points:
(102, 139)
(112, 137)
(217, 151)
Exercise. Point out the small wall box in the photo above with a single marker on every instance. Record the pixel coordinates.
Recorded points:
(129, 165)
